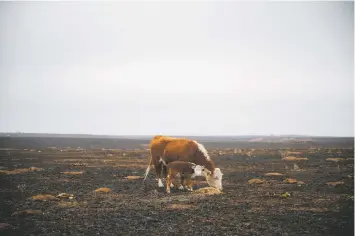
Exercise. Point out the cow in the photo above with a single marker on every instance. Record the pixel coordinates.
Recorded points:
(186, 170)
(166, 149)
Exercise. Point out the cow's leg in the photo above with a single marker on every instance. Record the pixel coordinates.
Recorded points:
(158, 170)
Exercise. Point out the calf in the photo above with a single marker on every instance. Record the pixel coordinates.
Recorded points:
(186, 170)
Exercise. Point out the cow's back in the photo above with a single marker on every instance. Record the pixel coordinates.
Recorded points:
(179, 150)
(157, 146)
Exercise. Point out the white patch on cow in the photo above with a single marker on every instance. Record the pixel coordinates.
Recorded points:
(203, 150)
(160, 183)
(178, 175)
(181, 187)
(171, 185)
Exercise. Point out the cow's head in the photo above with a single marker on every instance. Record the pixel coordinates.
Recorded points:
(215, 179)
(198, 170)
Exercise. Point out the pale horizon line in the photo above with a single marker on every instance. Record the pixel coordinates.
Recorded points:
(179, 135)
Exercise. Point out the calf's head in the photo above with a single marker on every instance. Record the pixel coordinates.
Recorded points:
(215, 179)
(198, 170)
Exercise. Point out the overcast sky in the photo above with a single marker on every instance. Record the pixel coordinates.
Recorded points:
(189, 68)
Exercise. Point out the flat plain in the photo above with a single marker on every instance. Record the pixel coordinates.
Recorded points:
(269, 189)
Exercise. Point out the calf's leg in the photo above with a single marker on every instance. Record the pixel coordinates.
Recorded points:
(168, 182)
(189, 184)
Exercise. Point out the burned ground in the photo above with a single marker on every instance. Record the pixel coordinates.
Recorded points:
(130, 207)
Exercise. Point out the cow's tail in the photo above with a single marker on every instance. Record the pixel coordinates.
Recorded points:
(148, 168)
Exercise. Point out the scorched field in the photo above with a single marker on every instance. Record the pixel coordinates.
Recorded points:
(53, 191)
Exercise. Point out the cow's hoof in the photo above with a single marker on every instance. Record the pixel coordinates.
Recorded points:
(190, 189)
(181, 187)
(168, 191)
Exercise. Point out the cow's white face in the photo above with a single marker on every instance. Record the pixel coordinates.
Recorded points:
(215, 179)
(198, 170)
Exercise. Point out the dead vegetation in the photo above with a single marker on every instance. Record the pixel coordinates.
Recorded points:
(133, 177)
(72, 172)
(335, 159)
(103, 190)
(20, 171)
(293, 158)
(273, 174)
(290, 181)
(177, 206)
(335, 184)
(44, 197)
(256, 181)
(208, 191)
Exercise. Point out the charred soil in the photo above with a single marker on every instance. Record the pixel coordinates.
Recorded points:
(127, 206)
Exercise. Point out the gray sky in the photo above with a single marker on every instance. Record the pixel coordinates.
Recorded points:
(189, 68)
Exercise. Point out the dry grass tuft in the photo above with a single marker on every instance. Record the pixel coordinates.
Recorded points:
(19, 171)
(337, 159)
(27, 212)
(290, 181)
(179, 206)
(35, 169)
(256, 181)
(293, 158)
(133, 177)
(79, 164)
(103, 190)
(44, 197)
(73, 172)
(334, 184)
(208, 191)
(273, 174)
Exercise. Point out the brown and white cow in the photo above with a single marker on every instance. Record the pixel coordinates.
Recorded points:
(186, 171)
(168, 149)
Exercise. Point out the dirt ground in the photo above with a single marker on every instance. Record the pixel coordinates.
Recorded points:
(131, 207)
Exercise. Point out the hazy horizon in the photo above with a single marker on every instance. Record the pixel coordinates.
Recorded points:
(182, 68)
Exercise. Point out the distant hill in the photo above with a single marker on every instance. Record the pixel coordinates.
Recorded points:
(33, 140)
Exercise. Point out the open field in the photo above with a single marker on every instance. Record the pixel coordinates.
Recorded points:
(320, 186)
